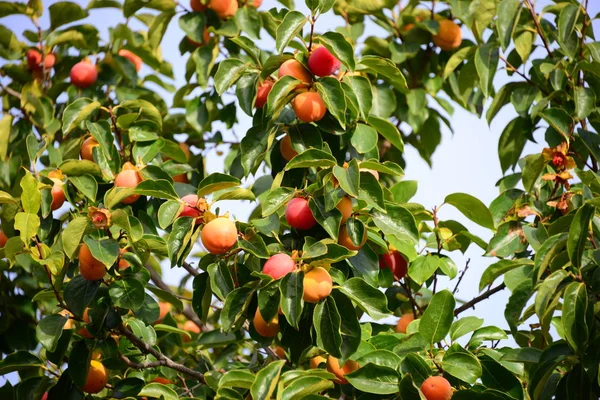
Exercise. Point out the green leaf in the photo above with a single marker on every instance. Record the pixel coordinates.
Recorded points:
(437, 318)
(348, 178)
(171, 329)
(326, 321)
(372, 378)
(79, 292)
(229, 71)
(292, 290)
(240, 378)
(216, 181)
(19, 360)
(276, 199)
(461, 364)
(303, 387)
(281, 94)
(337, 44)
(457, 58)
(86, 184)
(387, 130)
(350, 326)
(463, 326)
(547, 291)
(417, 367)
(236, 303)
(292, 25)
(558, 119)
(65, 12)
(168, 212)
(385, 68)
(423, 267)
(76, 112)
(398, 221)
(158, 28)
(364, 138)
(332, 93)
(104, 250)
(311, 158)
(512, 141)
(517, 301)
(367, 298)
(471, 208)
(486, 64)
(551, 247)
(534, 165)
(221, 281)
(500, 268)
(49, 329)
(31, 198)
(567, 20)
(579, 233)
(28, 225)
(161, 188)
(364, 93)
(193, 24)
(266, 380)
(585, 100)
(127, 293)
(575, 304)
(158, 391)
(508, 14)
(71, 236)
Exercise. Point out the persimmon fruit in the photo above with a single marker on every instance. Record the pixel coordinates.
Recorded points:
(224, 8)
(309, 107)
(321, 62)
(286, 149)
(395, 262)
(436, 388)
(198, 6)
(89, 267)
(316, 361)
(262, 93)
(298, 214)
(34, 60)
(333, 366)
(345, 240)
(449, 36)
(345, 207)
(3, 239)
(317, 285)
(190, 209)
(87, 148)
(129, 177)
(83, 74)
(132, 58)
(294, 68)
(264, 328)
(219, 235)
(96, 379)
(403, 322)
(279, 265)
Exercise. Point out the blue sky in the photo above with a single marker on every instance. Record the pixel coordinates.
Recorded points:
(465, 162)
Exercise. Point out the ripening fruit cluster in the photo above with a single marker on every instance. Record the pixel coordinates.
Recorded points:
(307, 103)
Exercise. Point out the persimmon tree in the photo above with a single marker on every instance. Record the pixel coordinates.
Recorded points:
(100, 197)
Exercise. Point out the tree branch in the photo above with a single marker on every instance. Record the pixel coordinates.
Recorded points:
(538, 26)
(460, 277)
(188, 312)
(162, 359)
(479, 298)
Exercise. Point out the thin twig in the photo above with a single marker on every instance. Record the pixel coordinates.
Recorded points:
(538, 27)
(479, 298)
(188, 267)
(460, 277)
(161, 358)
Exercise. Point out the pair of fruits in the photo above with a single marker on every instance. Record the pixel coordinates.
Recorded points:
(34, 60)
(308, 105)
(84, 74)
(332, 365)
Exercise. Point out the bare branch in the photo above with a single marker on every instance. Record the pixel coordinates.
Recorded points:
(479, 298)
(162, 360)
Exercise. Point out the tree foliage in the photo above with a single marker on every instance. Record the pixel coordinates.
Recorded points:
(99, 194)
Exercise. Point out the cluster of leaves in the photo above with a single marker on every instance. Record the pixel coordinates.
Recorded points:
(544, 224)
